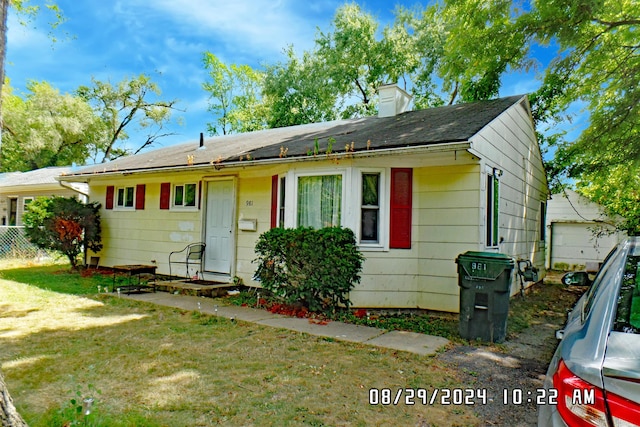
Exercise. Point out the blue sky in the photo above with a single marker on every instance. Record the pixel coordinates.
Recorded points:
(166, 39)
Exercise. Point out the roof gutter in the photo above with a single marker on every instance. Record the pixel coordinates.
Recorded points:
(70, 187)
(435, 148)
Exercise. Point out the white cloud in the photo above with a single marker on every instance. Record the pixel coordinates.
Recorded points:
(260, 28)
(21, 36)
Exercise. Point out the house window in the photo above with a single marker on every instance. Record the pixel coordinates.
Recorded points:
(125, 197)
(25, 203)
(370, 208)
(319, 201)
(543, 221)
(281, 200)
(13, 211)
(493, 208)
(185, 195)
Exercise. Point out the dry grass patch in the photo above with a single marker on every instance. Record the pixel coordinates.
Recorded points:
(150, 365)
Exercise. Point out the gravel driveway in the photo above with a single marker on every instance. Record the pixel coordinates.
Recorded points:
(513, 371)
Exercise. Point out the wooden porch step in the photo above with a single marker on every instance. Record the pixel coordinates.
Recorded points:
(200, 288)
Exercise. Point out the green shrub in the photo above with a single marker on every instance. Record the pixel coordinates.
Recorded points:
(317, 268)
(63, 224)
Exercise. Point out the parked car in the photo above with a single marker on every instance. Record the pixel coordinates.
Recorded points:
(594, 376)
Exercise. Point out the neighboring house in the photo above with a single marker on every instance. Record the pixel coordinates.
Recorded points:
(18, 189)
(418, 188)
(579, 233)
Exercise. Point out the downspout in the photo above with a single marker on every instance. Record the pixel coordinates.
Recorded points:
(69, 187)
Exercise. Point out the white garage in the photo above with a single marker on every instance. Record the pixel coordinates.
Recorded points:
(578, 234)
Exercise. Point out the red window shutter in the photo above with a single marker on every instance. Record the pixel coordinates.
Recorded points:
(274, 201)
(140, 188)
(400, 221)
(165, 195)
(108, 204)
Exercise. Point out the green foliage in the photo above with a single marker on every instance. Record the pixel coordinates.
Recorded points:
(316, 268)
(235, 97)
(598, 65)
(84, 409)
(46, 128)
(65, 225)
(123, 105)
(297, 92)
(352, 57)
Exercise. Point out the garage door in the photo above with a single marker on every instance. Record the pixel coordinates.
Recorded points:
(575, 244)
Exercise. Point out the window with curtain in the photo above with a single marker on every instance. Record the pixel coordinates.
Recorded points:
(319, 201)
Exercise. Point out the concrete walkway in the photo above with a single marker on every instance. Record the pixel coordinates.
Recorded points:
(399, 340)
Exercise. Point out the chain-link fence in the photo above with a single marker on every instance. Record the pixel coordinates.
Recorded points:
(14, 244)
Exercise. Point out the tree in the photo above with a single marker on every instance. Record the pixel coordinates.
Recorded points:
(356, 62)
(46, 128)
(8, 414)
(298, 93)
(123, 105)
(9, 417)
(594, 46)
(469, 46)
(234, 97)
(65, 225)
(341, 75)
(598, 65)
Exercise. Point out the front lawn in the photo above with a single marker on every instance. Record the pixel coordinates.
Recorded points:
(147, 365)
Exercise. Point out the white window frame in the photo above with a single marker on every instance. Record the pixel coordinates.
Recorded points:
(350, 215)
(383, 209)
(291, 183)
(281, 213)
(492, 222)
(184, 186)
(124, 207)
(25, 204)
(543, 222)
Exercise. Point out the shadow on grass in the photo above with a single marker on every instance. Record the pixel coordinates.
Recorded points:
(169, 366)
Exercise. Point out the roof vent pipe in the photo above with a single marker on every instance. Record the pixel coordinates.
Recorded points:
(201, 140)
(392, 101)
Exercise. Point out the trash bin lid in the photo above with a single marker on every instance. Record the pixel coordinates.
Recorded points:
(483, 265)
(486, 256)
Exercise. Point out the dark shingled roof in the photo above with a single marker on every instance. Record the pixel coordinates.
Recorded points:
(454, 123)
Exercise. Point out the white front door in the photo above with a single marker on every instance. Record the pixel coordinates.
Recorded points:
(219, 227)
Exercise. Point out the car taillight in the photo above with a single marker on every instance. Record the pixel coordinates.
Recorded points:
(624, 412)
(579, 403)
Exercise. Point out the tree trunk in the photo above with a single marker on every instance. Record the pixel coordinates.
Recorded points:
(9, 417)
(4, 8)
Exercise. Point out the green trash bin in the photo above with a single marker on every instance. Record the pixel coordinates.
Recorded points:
(485, 283)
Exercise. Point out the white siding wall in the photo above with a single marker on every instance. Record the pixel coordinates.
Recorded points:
(578, 231)
(21, 195)
(509, 144)
(448, 209)
(143, 236)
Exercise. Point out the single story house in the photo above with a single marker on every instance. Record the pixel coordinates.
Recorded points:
(18, 189)
(579, 233)
(418, 188)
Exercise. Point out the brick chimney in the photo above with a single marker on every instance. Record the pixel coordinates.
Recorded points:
(393, 100)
